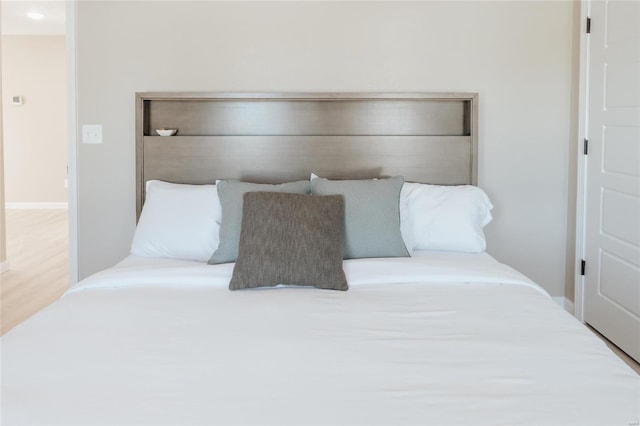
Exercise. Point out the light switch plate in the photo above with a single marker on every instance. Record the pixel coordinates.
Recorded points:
(92, 133)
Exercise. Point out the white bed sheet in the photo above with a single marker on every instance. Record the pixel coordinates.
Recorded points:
(441, 338)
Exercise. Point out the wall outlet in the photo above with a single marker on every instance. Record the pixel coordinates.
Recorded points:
(92, 133)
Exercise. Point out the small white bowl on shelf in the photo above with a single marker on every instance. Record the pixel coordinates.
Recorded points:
(166, 132)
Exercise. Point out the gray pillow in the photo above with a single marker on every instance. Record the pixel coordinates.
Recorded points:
(290, 239)
(371, 218)
(230, 193)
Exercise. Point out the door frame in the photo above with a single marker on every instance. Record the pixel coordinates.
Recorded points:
(72, 139)
(583, 125)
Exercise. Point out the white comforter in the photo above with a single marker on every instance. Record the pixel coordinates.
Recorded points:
(436, 339)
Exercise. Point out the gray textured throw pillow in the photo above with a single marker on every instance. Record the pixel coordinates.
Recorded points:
(230, 193)
(290, 239)
(371, 218)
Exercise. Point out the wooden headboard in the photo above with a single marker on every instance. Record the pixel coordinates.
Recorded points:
(277, 137)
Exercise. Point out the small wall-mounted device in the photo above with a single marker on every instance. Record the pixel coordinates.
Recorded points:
(92, 133)
(16, 100)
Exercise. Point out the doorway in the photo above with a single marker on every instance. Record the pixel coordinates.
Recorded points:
(610, 269)
(35, 183)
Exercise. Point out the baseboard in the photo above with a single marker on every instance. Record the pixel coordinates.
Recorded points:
(36, 206)
(565, 303)
(569, 306)
(4, 266)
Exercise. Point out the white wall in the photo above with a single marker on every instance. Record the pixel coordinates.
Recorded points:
(35, 133)
(517, 55)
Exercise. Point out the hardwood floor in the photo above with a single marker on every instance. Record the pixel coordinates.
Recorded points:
(37, 251)
(626, 358)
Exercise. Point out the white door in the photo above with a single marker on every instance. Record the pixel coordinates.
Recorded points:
(612, 237)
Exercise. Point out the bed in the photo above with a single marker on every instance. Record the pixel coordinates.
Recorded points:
(443, 336)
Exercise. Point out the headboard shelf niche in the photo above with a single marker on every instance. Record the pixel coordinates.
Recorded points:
(276, 137)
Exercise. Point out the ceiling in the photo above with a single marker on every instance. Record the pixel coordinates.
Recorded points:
(15, 20)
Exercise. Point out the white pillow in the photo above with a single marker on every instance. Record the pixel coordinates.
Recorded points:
(448, 218)
(178, 222)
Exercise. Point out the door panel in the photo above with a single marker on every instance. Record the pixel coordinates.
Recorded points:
(622, 150)
(619, 280)
(625, 227)
(612, 237)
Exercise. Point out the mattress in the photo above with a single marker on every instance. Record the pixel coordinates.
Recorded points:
(440, 338)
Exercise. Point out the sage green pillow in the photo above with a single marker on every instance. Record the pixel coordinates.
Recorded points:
(230, 193)
(290, 239)
(371, 218)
